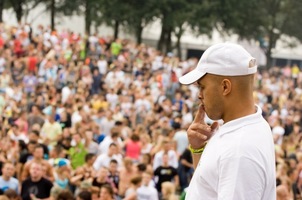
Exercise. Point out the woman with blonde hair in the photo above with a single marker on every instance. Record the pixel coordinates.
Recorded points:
(168, 191)
(146, 145)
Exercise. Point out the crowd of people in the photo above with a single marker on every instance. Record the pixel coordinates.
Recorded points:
(92, 117)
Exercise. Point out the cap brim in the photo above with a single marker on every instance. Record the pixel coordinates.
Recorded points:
(191, 77)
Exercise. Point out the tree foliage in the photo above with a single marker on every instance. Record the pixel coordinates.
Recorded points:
(1, 10)
(256, 19)
(88, 8)
(140, 13)
(252, 19)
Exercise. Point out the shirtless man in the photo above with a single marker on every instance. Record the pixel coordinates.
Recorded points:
(126, 174)
(38, 158)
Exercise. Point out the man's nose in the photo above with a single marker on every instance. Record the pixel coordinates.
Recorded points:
(200, 96)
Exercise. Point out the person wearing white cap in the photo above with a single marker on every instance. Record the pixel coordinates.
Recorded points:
(235, 160)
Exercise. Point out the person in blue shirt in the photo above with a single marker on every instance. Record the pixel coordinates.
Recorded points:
(7, 181)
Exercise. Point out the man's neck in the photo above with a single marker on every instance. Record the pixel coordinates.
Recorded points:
(102, 179)
(37, 179)
(165, 165)
(113, 172)
(6, 178)
(38, 160)
(130, 170)
(88, 165)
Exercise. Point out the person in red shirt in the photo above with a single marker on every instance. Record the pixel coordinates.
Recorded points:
(133, 147)
(1, 43)
(32, 63)
(17, 47)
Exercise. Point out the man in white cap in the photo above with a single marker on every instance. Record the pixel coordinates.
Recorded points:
(236, 160)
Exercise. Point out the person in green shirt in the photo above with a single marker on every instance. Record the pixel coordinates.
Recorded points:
(116, 47)
(78, 152)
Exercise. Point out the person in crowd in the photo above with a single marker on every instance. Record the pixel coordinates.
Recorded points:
(164, 173)
(38, 157)
(62, 175)
(84, 195)
(103, 160)
(168, 191)
(4, 197)
(166, 149)
(130, 193)
(146, 191)
(101, 179)
(106, 193)
(114, 173)
(35, 186)
(185, 168)
(12, 194)
(133, 147)
(65, 195)
(7, 181)
(126, 173)
(78, 152)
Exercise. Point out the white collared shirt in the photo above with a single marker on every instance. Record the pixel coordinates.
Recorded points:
(237, 163)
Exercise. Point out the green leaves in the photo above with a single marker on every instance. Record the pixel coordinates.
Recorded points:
(252, 19)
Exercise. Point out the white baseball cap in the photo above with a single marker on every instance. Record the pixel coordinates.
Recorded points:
(225, 59)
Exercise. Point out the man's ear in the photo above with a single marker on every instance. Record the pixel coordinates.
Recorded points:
(226, 85)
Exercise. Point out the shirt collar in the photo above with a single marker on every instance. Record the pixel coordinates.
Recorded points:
(240, 122)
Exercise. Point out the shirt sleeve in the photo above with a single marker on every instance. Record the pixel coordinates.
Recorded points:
(157, 172)
(174, 172)
(240, 178)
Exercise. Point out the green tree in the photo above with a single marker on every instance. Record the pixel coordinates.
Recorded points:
(195, 16)
(88, 8)
(113, 13)
(52, 14)
(20, 7)
(167, 11)
(139, 15)
(180, 15)
(256, 19)
(1, 10)
(17, 6)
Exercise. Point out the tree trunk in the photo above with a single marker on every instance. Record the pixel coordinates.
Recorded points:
(25, 13)
(52, 14)
(268, 58)
(116, 29)
(138, 33)
(271, 44)
(19, 10)
(168, 40)
(87, 17)
(178, 45)
(161, 41)
(1, 10)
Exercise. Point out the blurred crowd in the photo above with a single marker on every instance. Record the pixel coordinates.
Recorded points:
(92, 117)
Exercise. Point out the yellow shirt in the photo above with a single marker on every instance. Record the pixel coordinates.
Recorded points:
(51, 132)
(295, 71)
(96, 105)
